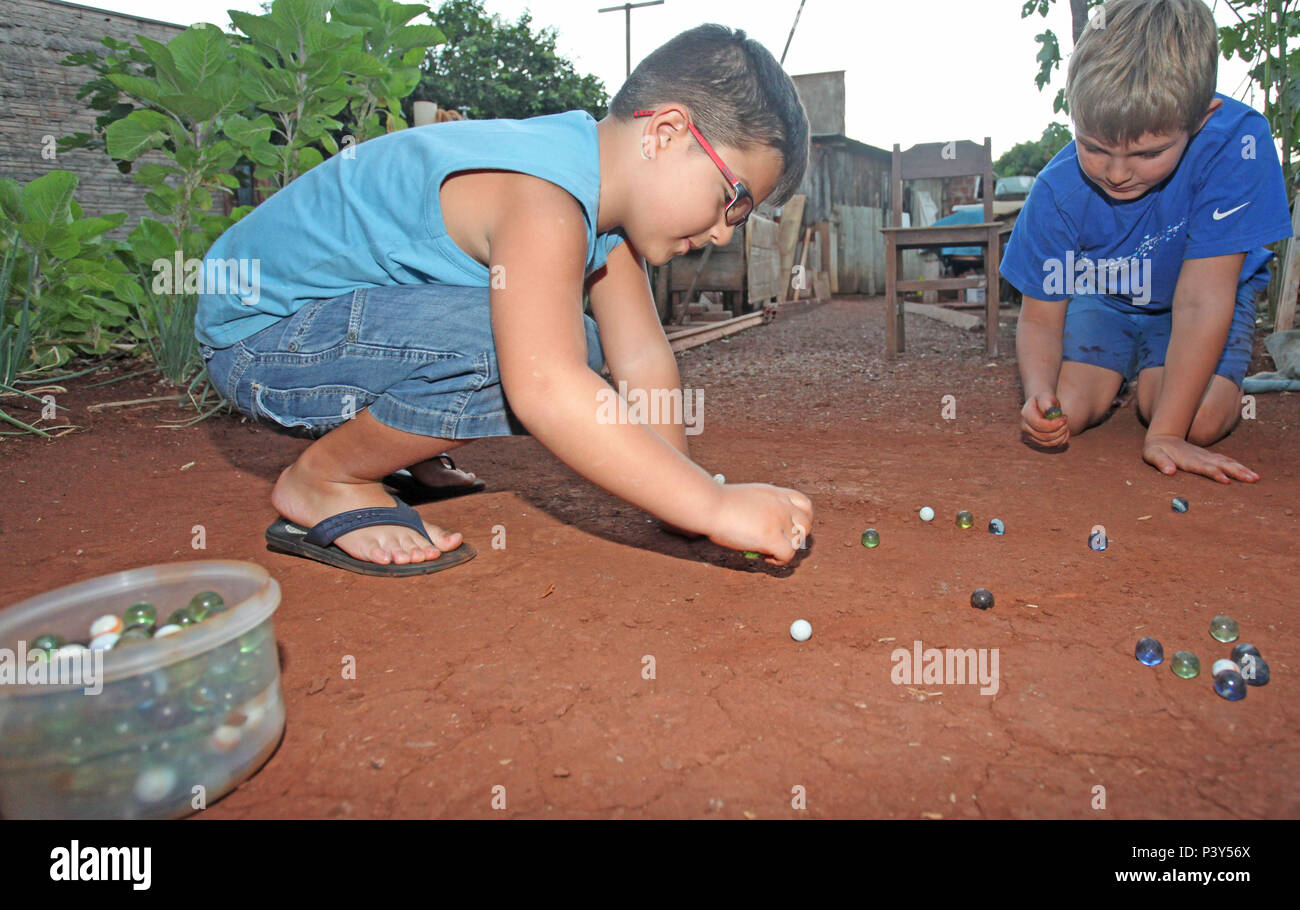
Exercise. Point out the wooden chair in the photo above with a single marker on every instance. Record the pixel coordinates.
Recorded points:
(941, 159)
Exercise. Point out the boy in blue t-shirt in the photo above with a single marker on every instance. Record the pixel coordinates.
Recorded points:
(1138, 251)
(425, 288)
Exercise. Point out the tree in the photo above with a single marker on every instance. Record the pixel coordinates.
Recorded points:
(491, 68)
(1028, 158)
(1049, 52)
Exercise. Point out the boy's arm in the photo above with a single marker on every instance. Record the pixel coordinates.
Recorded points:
(1204, 299)
(1038, 351)
(537, 234)
(636, 348)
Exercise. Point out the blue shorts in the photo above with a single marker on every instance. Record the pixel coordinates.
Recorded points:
(1130, 342)
(420, 357)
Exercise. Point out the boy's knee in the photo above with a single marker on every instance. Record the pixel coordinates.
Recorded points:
(1208, 427)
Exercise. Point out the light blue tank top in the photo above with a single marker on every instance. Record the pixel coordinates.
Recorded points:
(375, 220)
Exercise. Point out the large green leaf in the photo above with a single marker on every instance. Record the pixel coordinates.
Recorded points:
(150, 90)
(200, 54)
(48, 198)
(129, 138)
(248, 132)
(195, 108)
(87, 228)
(163, 63)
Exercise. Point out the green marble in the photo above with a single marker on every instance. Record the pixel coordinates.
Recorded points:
(132, 635)
(48, 642)
(1053, 412)
(871, 538)
(185, 616)
(142, 612)
(1224, 628)
(1185, 664)
(210, 601)
(965, 519)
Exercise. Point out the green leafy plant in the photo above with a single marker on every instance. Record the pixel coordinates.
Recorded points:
(294, 67)
(387, 67)
(67, 274)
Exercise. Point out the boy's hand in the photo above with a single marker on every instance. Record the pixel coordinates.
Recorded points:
(764, 519)
(1050, 432)
(1169, 454)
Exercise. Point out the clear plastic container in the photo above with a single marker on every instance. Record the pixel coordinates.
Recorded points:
(160, 728)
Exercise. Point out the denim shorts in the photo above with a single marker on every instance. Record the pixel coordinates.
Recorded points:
(1130, 342)
(420, 357)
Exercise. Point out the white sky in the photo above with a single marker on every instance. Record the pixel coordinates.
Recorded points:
(915, 70)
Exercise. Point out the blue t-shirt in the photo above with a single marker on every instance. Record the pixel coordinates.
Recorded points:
(1226, 196)
(375, 219)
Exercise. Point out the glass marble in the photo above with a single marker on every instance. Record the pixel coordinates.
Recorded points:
(750, 554)
(1223, 664)
(132, 635)
(965, 519)
(202, 698)
(48, 642)
(1149, 651)
(1097, 540)
(1224, 628)
(871, 538)
(927, 513)
(210, 601)
(198, 611)
(1185, 664)
(182, 617)
(1241, 649)
(982, 599)
(1254, 670)
(1053, 413)
(1229, 684)
(169, 629)
(996, 526)
(141, 612)
(1179, 504)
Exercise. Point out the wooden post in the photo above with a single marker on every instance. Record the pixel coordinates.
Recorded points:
(803, 261)
(1290, 287)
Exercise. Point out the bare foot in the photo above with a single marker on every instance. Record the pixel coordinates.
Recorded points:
(438, 474)
(307, 501)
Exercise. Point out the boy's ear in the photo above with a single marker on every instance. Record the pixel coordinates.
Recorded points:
(1215, 104)
(670, 122)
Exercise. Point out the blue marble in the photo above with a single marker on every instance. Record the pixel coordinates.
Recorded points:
(1229, 684)
(1149, 651)
(1097, 540)
(982, 599)
(997, 527)
(1179, 504)
(1241, 649)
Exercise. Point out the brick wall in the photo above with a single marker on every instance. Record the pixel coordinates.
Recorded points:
(38, 98)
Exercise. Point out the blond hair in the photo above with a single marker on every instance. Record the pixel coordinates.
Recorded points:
(1143, 66)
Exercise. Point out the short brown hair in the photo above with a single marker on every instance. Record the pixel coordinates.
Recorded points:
(1143, 66)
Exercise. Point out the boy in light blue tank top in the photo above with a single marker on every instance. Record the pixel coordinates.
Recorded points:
(425, 288)
(1139, 251)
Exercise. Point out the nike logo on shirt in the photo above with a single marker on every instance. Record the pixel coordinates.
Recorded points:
(1219, 216)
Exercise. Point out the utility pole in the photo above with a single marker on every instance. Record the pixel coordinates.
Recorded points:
(627, 8)
(792, 28)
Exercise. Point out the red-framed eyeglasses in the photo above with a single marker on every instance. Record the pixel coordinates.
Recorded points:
(741, 203)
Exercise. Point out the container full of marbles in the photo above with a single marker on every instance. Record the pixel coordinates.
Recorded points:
(148, 693)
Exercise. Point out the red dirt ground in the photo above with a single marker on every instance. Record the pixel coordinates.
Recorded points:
(523, 668)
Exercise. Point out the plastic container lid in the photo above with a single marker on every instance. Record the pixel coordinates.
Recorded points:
(249, 591)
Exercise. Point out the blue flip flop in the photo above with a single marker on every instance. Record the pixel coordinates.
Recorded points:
(317, 543)
(404, 482)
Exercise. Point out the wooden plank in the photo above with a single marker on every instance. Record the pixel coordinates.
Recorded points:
(821, 284)
(693, 337)
(803, 262)
(832, 244)
(788, 237)
(1290, 287)
(964, 321)
(943, 284)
